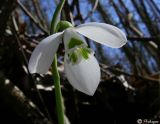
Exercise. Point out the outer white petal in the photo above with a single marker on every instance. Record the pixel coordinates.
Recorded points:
(84, 76)
(42, 56)
(106, 34)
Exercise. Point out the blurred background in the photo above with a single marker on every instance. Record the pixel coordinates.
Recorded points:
(130, 83)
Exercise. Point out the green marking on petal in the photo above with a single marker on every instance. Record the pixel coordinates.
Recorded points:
(84, 53)
(81, 52)
(74, 42)
(73, 57)
(78, 50)
(88, 50)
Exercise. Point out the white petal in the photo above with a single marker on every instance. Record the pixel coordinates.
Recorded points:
(84, 76)
(106, 34)
(42, 56)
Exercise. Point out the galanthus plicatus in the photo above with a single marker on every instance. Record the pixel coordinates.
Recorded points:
(80, 66)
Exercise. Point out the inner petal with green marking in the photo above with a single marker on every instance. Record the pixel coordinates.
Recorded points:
(78, 50)
(74, 42)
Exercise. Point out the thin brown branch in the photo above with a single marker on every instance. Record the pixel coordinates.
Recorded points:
(14, 98)
(127, 21)
(116, 70)
(36, 22)
(16, 30)
(39, 13)
(145, 39)
(26, 62)
(6, 8)
(92, 11)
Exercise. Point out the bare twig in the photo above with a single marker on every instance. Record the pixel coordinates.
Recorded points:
(36, 22)
(19, 43)
(127, 74)
(39, 13)
(145, 39)
(26, 62)
(13, 97)
(92, 11)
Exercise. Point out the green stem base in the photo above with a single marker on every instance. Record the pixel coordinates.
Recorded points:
(58, 94)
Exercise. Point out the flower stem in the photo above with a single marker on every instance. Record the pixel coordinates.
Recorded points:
(56, 78)
(58, 94)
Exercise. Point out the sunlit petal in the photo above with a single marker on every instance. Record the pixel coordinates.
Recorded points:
(84, 76)
(103, 33)
(43, 54)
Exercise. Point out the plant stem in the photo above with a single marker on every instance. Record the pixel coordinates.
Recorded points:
(56, 78)
(58, 94)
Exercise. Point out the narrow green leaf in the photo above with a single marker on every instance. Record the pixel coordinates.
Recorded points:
(55, 18)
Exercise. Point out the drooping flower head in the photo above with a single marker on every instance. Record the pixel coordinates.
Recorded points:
(81, 67)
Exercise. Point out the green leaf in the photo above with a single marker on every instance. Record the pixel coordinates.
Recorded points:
(55, 18)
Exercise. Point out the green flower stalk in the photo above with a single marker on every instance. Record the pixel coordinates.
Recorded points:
(56, 77)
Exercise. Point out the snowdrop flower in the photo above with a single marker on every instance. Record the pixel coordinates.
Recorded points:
(81, 67)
